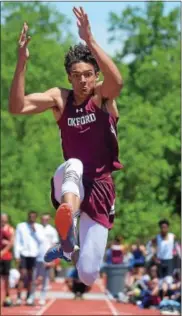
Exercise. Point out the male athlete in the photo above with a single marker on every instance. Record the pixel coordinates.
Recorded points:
(86, 117)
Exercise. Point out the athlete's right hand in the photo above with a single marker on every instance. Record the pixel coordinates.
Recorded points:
(23, 42)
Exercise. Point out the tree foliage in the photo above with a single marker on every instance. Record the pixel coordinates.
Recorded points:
(149, 128)
(30, 144)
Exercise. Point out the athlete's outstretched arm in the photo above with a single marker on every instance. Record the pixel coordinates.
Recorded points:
(33, 103)
(112, 83)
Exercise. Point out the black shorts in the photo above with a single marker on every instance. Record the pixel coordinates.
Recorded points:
(5, 266)
(27, 263)
(79, 287)
(165, 268)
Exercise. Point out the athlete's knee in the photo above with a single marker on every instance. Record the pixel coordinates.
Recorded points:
(72, 177)
(87, 274)
(74, 165)
(88, 277)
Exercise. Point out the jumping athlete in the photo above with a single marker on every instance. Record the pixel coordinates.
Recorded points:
(86, 117)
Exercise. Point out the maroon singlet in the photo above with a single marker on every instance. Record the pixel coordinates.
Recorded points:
(89, 134)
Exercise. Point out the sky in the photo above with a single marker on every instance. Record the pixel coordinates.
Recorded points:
(98, 13)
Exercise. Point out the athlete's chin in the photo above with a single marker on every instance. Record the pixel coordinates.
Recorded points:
(85, 92)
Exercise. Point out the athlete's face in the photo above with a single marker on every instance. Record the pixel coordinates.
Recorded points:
(83, 78)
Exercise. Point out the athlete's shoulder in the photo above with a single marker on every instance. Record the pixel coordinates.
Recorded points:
(64, 92)
(107, 105)
(60, 95)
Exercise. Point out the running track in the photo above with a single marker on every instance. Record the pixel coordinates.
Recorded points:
(60, 302)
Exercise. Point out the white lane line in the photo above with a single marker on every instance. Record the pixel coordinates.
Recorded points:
(111, 306)
(108, 302)
(108, 299)
(43, 309)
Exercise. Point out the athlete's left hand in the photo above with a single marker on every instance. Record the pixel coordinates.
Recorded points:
(83, 24)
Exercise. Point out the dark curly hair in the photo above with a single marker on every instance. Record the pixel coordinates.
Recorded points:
(79, 53)
(163, 221)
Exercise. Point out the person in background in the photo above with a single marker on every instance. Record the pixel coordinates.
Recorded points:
(14, 277)
(132, 290)
(150, 254)
(165, 243)
(51, 234)
(42, 269)
(153, 272)
(133, 276)
(138, 250)
(128, 257)
(75, 285)
(29, 238)
(116, 251)
(52, 238)
(171, 285)
(108, 253)
(6, 244)
(150, 296)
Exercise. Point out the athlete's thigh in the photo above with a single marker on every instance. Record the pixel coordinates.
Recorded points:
(57, 181)
(93, 240)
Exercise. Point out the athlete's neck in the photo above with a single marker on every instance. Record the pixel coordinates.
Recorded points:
(80, 99)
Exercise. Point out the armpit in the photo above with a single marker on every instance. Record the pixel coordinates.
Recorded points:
(104, 104)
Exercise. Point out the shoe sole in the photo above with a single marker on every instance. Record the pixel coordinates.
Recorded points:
(63, 220)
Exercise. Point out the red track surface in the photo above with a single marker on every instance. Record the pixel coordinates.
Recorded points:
(59, 306)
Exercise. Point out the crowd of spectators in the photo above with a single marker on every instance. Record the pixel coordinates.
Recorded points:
(153, 277)
(25, 246)
(152, 281)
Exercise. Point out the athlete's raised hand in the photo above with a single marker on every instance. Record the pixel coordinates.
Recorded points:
(84, 29)
(23, 42)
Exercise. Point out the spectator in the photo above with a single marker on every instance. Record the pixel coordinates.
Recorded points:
(51, 234)
(171, 285)
(28, 240)
(14, 277)
(133, 281)
(177, 255)
(128, 257)
(139, 252)
(6, 243)
(165, 244)
(42, 270)
(150, 296)
(75, 285)
(116, 252)
(108, 253)
(133, 276)
(52, 238)
(150, 253)
(143, 289)
(171, 294)
(153, 272)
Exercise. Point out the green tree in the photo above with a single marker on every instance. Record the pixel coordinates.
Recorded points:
(149, 127)
(30, 144)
